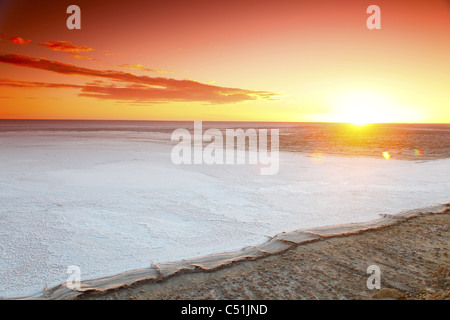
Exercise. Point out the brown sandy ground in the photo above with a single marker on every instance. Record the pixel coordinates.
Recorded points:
(412, 256)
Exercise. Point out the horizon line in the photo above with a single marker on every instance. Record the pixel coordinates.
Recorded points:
(243, 121)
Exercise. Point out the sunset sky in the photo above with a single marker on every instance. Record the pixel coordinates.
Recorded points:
(271, 60)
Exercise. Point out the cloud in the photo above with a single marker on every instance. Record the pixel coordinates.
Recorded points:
(27, 84)
(68, 47)
(142, 94)
(77, 56)
(17, 40)
(142, 68)
(132, 92)
(131, 87)
(107, 53)
(65, 46)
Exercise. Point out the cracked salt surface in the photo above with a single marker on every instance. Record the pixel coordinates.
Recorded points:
(110, 202)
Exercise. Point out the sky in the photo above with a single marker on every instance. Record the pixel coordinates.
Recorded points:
(245, 60)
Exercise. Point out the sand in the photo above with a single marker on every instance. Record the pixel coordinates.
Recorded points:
(412, 256)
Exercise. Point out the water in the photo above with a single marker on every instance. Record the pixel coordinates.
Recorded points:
(402, 141)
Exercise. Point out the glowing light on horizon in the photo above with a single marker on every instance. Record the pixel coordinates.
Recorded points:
(360, 123)
(365, 107)
(386, 155)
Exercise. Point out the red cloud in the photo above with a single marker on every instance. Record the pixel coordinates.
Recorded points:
(143, 94)
(27, 84)
(65, 46)
(68, 47)
(140, 88)
(19, 40)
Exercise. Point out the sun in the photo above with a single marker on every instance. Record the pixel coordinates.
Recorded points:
(361, 108)
(359, 123)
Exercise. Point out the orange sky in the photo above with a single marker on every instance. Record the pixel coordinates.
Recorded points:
(226, 60)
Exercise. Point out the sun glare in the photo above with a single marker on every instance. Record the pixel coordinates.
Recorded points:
(360, 123)
(362, 108)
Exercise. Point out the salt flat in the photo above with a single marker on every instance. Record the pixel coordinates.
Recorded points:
(110, 202)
